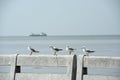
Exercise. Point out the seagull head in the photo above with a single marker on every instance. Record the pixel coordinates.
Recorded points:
(83, 48)
(51, 47)
(67, 47)
(29, 47)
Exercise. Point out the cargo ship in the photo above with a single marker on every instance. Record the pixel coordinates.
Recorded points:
(42, 34)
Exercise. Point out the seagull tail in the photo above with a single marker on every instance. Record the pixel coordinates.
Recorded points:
(37, 51)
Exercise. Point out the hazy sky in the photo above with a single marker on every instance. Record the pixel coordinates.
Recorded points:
(59, 17)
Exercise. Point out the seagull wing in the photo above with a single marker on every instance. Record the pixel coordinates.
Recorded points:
(71, 49)
(87, 50)
(57, 49)
(33, 50)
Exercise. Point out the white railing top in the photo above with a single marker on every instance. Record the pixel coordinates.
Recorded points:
(102, 61)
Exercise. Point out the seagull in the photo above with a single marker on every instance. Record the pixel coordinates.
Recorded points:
(32, 50)
(55, 49)
(87, 51)
(70, 50)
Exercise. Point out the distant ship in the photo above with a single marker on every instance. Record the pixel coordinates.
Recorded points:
(42, 34)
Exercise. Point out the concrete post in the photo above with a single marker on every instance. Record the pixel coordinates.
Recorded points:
(74, 68)
(13, 66)
(80, 70)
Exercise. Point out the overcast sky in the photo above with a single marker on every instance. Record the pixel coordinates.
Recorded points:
(59, 17)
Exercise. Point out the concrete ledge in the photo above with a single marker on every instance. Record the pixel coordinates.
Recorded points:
(96, 77)
(102, 62)
(30, 76)
(5, 60)
(45, 60)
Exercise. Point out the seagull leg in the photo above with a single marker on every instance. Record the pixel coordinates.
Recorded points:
(31, 53)
(70, 52)
(55, 53)
(87, 54)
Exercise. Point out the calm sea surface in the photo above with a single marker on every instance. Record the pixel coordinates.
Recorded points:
(103, 46)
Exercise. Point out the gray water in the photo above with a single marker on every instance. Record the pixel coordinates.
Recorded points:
(103, 46)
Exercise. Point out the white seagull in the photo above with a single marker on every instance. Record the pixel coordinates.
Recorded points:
(70, 50)
(55, 49)
(32, 50)
(87, 51)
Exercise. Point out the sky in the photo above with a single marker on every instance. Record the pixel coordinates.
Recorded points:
(59, 17)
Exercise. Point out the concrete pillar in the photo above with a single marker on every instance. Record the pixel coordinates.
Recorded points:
(13, 66)
(74, 68)
(80, 69)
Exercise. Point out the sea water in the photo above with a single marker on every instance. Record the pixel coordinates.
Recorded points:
(103, 45)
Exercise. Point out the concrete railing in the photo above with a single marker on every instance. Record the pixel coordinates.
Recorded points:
(17, 61)
(77, 67)
(86, 62)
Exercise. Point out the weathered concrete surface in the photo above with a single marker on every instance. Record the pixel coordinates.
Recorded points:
(8, 60)
(102, 62)
(57, 61)
(29, 76)
(45, 61)
(80, 65)
(13, 66)
(4, 76)
(5, 60)
(96, 77)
